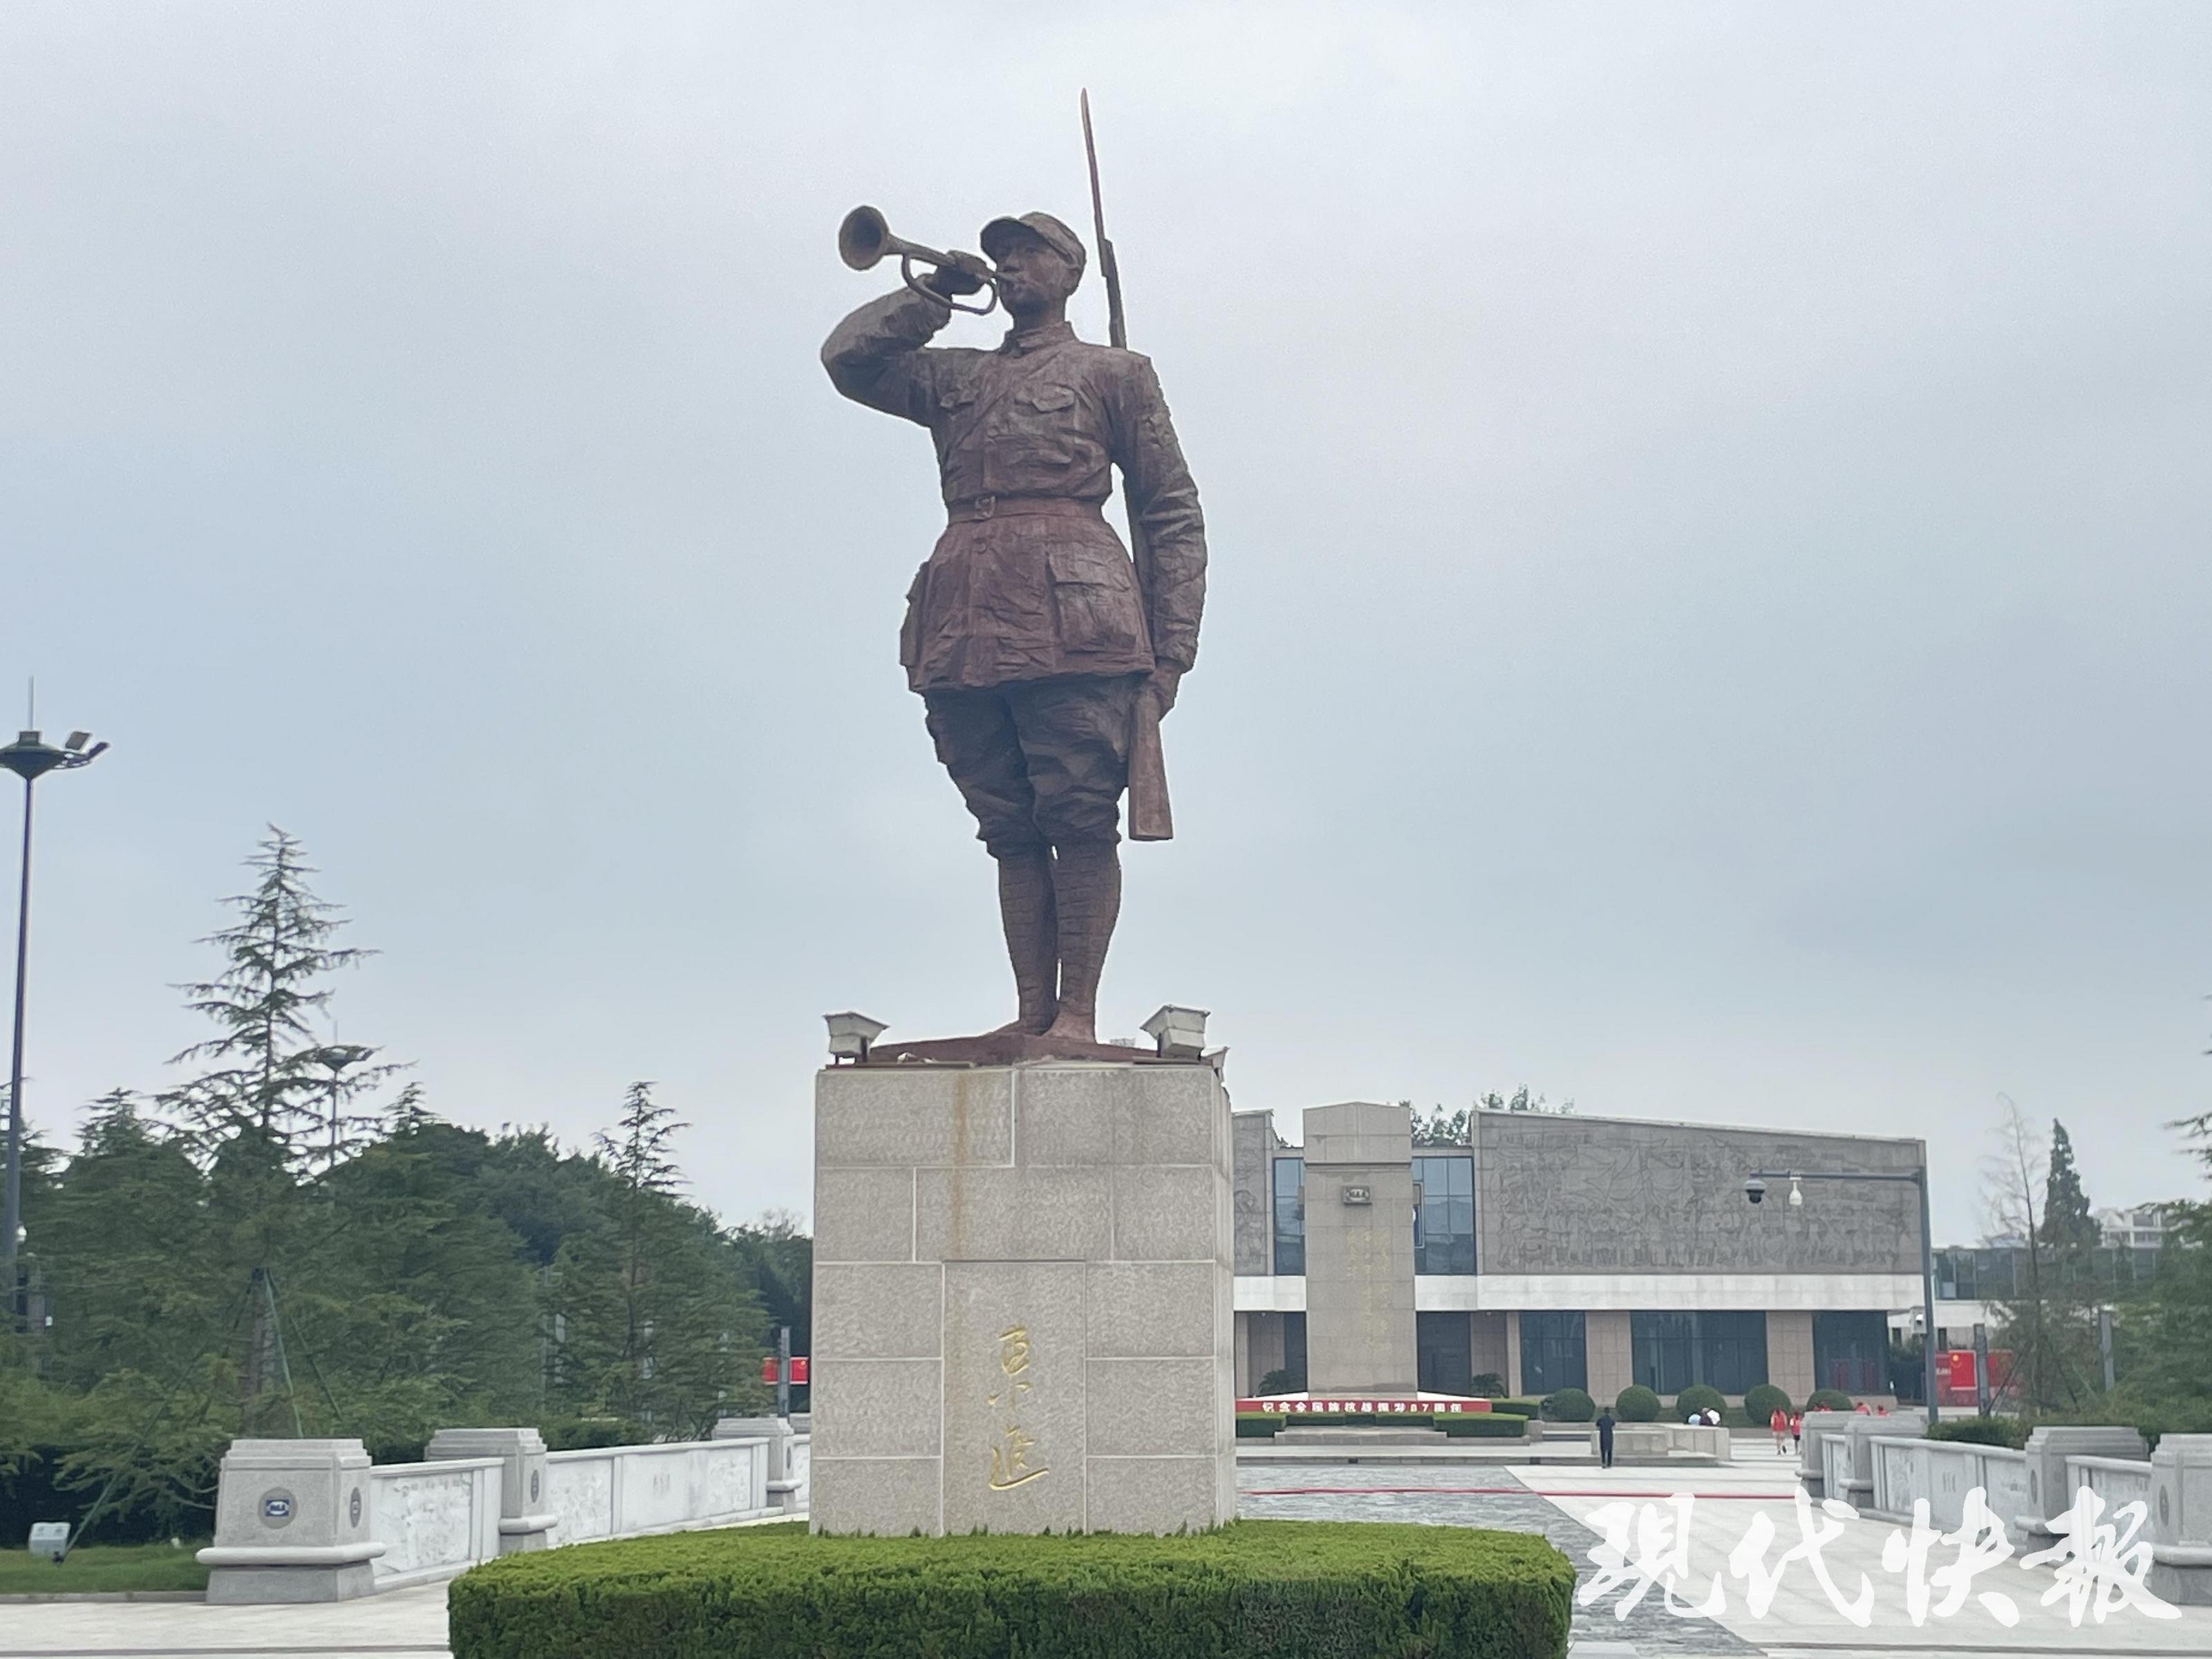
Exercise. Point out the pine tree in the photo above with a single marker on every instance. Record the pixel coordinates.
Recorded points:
(651, 1316)
(273, 1106)
(273, 1075)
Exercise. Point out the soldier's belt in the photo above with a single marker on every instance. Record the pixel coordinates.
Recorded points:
(1021, 507)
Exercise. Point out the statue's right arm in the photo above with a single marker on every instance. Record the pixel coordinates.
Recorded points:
(875, 356)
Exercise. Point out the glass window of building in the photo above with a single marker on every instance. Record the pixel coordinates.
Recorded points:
(1290, 1215)
(1443, 1352)
(1551, 1353)
(1661, 1351)
(1851, 1352)
(1672, 1351)
(1443, 1216)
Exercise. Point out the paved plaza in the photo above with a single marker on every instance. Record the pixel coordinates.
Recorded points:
(1565, 1505)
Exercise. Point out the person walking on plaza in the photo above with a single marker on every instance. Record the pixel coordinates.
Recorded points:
(1605, 1437)
(1779, 1422)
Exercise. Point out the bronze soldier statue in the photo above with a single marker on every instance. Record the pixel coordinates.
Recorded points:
(1033, 644)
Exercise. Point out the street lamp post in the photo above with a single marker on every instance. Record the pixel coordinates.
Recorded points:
(1755, 1190)
(29, 759)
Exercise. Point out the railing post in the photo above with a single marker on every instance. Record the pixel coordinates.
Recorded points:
(2181, 1519)
(2050, 1485)
(292, 1523)
(525, 1522)
(782, 1489)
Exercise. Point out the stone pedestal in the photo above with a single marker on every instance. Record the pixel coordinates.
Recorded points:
(525, 1521)
(2181, 1519)
(1023, 1318)
(291, 1523)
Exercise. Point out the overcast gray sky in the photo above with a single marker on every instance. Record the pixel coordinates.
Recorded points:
(1708, 507)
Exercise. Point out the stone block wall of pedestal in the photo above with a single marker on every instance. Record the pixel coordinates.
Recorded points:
(1023, 1316)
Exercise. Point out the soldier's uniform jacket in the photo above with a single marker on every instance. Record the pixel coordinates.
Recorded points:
(1029, 581)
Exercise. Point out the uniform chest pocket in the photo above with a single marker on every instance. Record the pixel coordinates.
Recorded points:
(955, 398)
(1046, 400)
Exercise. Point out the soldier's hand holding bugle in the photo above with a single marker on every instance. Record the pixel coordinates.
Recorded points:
(965, 274)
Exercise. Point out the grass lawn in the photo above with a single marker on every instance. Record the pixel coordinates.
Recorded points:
(104, 1567)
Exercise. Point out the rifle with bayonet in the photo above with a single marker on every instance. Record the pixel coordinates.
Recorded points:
(1151, 817)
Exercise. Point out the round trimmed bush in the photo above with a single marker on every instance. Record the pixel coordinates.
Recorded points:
(1268, 1589)
(1828, 1399)
(1698, 1397)
(1636, 1404)
(1569, 1406)
(1762, 1401)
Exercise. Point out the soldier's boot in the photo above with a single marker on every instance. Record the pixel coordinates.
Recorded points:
(1030, 918)
(1087, 891)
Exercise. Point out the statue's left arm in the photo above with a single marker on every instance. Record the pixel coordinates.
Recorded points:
(1163, 509)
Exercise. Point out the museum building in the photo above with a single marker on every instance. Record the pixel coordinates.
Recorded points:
(1556, 1250)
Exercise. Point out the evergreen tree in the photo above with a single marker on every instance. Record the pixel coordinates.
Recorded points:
(652, 1319)
(2067, 1224)
(124, 1250)
(272, 1074)
(273, 1105)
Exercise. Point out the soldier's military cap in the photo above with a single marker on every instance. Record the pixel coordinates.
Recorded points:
(1046, 228)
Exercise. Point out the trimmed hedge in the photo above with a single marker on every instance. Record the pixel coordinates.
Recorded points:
(1698, 1397)
(1829, 1399)
(1520, 1408)
(1636, 1404)
(1569, 1406)
(1299, 1589)
(1762, 1400)
(1485, 1425)
(2010, 1432)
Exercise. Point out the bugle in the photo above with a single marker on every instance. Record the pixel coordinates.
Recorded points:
(865, 240)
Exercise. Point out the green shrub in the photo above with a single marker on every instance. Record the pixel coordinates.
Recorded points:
(1489, 1385)
(1278, 1382)
(1485, 1425)
(1762, 1400)
(1569, 1406)
(2007, 1431)
(590, 1433)
(1828, 1399)
(1698, 1398)
(1258, 1426)
(1287, 1589)
(1523, 1407)
(1636, 1404)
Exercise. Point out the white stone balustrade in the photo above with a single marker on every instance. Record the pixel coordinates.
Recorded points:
(2117, 1480)
(434, 1520)
(1943, 1473)
(625, 1491)
(312, 1521)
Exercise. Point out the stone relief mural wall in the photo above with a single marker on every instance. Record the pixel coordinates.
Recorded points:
(1253, 1137)
(1565, 1194)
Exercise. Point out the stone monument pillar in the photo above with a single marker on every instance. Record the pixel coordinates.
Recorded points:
(1359, 1250)
(1022, 1299)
